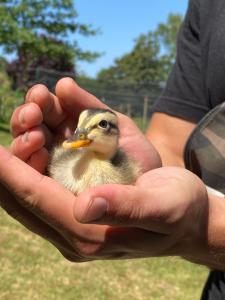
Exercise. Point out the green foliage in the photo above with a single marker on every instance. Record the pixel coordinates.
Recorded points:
(41, 33)
(5, 83)
(150, 59)
(8, 102)
(140, 66)
(167, 33)
(25, 21)
(9, 99)
(167, 36)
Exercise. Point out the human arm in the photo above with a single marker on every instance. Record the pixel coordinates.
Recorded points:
(185, 98)
(169, 135)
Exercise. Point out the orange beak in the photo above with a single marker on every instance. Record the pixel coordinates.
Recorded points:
(77, 140)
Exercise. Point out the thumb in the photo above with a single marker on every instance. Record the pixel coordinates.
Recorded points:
(118, 205)
(107, 203)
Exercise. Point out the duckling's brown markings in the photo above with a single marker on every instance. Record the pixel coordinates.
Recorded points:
(93, 157)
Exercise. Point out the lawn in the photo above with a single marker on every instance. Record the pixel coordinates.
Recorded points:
(33, 269)
(5, 137)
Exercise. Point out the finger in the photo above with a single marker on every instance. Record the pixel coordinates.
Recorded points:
(52, 111)
(54, 205)
(73, 98)
(30, 186)
(45, 197)
(31, 141)
(39, 160)
(25, 117)
(130, 242)
(33, 223)
(121, 205)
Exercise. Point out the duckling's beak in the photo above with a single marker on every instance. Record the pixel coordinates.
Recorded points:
(77, 140)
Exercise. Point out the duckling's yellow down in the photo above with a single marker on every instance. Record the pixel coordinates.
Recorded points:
(100, 161)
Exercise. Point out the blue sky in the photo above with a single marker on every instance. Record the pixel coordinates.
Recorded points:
(120, 22)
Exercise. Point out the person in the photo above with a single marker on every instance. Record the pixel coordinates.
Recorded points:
(168, 211)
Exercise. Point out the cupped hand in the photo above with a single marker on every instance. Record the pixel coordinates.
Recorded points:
(45, 208)
(38, 202)
(46, 119)
(165, 213)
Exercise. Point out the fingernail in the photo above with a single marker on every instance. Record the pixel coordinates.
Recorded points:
(25, 137)
(96, 210)
(21, 116)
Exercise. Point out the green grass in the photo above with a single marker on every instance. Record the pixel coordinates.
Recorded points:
(4, 127)
(140, 123)
(32, 269)
(5, 137)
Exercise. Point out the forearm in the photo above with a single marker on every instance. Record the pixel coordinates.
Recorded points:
(168, 156)
(169, 135)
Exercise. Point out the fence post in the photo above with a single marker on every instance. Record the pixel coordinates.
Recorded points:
(145, 112)
(121, 108)
(129, 109)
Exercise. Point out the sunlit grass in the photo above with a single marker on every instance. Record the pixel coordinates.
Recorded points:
(32, 269)
(5, 137)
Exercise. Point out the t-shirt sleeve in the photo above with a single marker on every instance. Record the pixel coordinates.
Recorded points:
(183, 95)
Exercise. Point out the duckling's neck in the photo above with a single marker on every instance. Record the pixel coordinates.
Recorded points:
(86, 159)
(107, 155)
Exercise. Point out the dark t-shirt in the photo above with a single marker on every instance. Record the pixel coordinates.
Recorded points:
(197, 82)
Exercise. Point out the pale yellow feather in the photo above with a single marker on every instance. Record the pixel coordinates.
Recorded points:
(87, 167)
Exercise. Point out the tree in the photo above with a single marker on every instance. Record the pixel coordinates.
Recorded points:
(41, 32)
(140, 66)
(8, 99)
(52, 58)
(167, 33)
(167, 36)
(150, 59)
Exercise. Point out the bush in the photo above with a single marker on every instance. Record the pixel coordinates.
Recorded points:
(9, 99)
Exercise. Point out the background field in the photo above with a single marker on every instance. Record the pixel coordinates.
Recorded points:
(32, 269)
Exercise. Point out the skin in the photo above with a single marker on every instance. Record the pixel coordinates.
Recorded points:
(164, 132)
(168, 209)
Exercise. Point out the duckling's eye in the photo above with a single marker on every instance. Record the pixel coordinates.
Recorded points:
(81, 136)
(103, 124)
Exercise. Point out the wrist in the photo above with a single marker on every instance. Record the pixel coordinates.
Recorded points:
(216, 231)
(210, 248)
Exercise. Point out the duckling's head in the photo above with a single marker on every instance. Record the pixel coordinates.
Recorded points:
(97, 131)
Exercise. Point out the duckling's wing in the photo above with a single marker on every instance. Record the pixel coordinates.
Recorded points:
(126, 166)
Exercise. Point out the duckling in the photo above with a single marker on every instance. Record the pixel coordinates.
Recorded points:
(91, 155)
